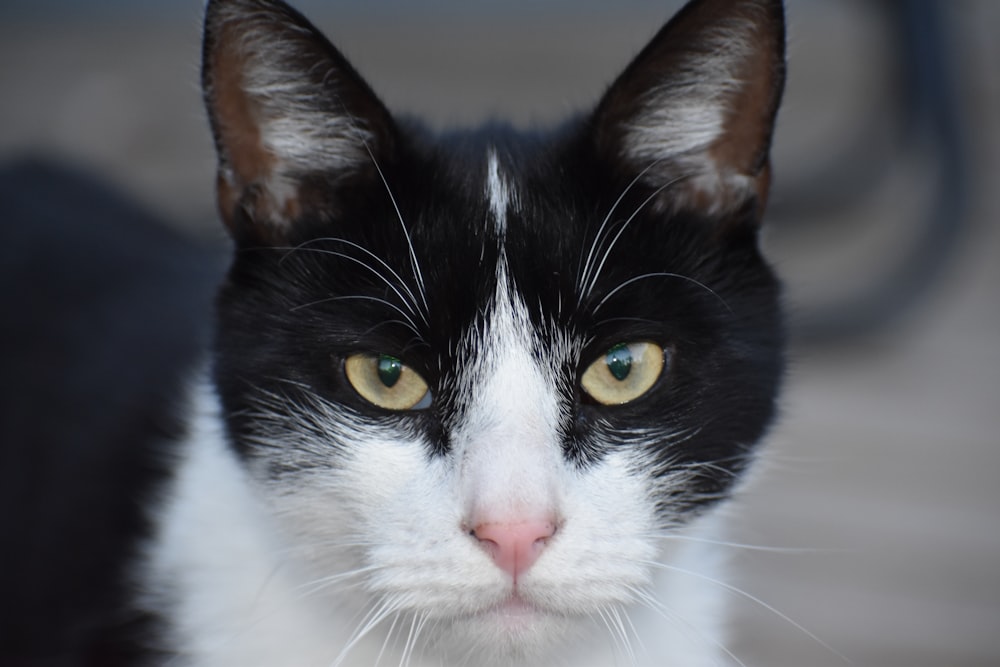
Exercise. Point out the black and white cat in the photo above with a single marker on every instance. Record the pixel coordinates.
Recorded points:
(473, 400)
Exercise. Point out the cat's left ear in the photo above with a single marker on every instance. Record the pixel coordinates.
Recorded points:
(696, 108)
(293, 123)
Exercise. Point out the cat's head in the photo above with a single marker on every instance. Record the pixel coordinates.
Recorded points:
(485, 376)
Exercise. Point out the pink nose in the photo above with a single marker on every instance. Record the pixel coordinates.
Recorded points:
(514, 547)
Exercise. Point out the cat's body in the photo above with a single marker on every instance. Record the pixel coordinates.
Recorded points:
(477, 401)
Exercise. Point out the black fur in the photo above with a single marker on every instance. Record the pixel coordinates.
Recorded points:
(104, 312)
(298, 301)
(281, 319)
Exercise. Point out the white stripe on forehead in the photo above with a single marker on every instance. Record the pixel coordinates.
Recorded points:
(508, 442)
(508, 438)
(498, 193)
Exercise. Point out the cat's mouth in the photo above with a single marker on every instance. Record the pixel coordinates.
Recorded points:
(514, 616)
(518, 613)
(515, 606)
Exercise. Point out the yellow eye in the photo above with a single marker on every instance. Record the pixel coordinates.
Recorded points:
(385, 381)
(624, 373)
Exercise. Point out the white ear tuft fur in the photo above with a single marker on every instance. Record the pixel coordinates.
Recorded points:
(697, 106)
(284, 104)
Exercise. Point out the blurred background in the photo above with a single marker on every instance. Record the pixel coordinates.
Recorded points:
(881, 492)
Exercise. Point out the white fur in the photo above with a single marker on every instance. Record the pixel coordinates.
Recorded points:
(296, 121)
(681, 120)
(215, 568)
(498, 193)
(298, 129)
(686, 113)
(241, 561)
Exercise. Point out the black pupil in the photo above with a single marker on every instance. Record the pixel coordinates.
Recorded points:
(389, 370)
(619, 360)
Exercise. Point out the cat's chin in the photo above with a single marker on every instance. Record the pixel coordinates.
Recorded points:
(515, 631)
(514, 614)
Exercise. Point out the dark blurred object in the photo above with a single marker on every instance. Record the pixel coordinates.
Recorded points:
(103, 313)
(928, 118)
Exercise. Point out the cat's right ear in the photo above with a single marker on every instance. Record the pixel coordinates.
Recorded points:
(293, 122)
(693, 114)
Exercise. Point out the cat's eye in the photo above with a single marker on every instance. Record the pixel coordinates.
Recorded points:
(387, 382)
(623, 373)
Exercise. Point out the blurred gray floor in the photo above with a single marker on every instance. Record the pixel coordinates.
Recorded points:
(881, 486)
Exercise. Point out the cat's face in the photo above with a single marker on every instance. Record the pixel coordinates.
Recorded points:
(477, 381)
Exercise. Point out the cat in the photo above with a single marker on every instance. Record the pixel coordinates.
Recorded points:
(473, 399)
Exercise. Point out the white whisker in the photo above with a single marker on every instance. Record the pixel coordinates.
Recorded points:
(603, 614)
(616, 616)
(584, 273)
(756, 600)
(320, 545)
(388, 636)
(411, 301)
(409, 323)
(746, 547)
(635, 632)
(660, 274)
(607, 251)
(373, 618)
(416, 626)
(364, 264)
(315, 586)
(417, 274)
(683, 625)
